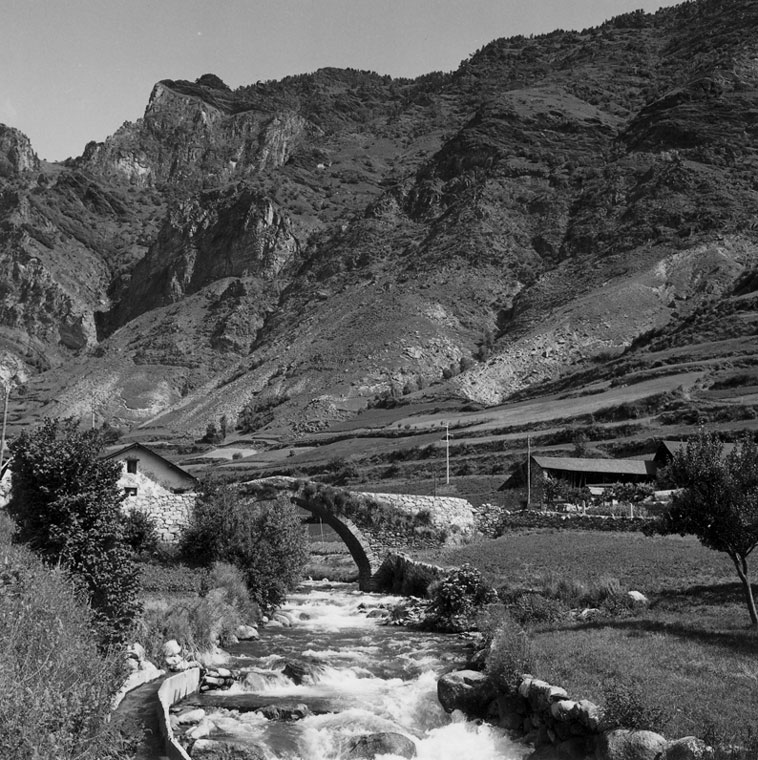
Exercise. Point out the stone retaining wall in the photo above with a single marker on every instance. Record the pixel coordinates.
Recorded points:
(545, 717)
(172, 690)
(444, 511)
(400, 574)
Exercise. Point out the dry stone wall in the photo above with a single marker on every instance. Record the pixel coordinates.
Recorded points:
(400, 574)
(444, 511)
(169, 510)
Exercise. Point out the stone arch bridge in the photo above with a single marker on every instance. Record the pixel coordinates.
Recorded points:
(350, 516)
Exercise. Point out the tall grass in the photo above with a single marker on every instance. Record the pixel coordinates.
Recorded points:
(201, 623)
(56, 685)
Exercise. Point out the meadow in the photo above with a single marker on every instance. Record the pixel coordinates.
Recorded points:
(690, 652)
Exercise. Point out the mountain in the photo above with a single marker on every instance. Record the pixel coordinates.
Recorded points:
(288, 253)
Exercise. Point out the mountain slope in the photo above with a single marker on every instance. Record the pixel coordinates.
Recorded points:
(291, 251)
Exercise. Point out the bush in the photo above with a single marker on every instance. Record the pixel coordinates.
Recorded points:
(457, 599)
(232, 581)
(625, 705)
(263, 538)
(140, 532)
(530, 608)
(66, 501)
(57, 686)
(511, 654)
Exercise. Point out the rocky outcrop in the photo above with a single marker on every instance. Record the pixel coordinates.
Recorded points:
(187, 134)
(16, 153)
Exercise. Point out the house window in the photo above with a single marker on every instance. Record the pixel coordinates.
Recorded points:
(131, 465)
(130, 492)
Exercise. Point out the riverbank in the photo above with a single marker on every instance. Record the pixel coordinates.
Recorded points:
(689, 652)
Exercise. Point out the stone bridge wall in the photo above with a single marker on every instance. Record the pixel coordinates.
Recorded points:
(400, 574)
(444, 511)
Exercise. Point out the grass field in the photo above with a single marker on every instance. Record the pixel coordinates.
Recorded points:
(691, 651)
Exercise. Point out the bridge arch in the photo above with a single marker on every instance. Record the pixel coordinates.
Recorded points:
(358, 545)
(351, 535)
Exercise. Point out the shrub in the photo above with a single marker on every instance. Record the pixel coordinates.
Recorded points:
(457, 599)
(199, 624)
(57, 687)
(263, 538)
(140, 532)
(530, 608)
(625, 705)
(66, 501)
(232, 581)
(511, 654)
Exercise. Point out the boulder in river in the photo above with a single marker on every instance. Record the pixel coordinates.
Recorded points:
(302, 671)
(368, 746)
(469, 691)
(212, 749)
(285, 712)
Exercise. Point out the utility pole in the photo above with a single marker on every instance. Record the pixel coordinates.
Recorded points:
(5, 420)
(528, 471)
(447, 453)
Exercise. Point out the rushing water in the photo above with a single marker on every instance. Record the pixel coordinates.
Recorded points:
(362, 678)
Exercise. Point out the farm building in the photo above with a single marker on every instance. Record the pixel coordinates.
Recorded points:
(666, 450)
(156, 486)
(579, 472)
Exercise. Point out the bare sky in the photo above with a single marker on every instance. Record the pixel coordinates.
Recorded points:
(74, 70)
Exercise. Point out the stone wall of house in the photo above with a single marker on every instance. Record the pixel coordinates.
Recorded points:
(444, 511)
(169, 510)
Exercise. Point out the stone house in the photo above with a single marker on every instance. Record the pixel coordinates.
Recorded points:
(156, 486)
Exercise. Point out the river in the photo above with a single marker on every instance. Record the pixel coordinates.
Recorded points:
(356, 675)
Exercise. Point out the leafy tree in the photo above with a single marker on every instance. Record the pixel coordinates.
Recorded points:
(262, 537)
(717, 501)
(67, 504)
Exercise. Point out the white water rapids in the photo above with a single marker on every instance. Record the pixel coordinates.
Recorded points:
(363, 678)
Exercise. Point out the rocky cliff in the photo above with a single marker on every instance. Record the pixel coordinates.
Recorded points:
(294, 250)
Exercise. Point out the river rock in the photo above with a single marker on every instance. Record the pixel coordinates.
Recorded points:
(621, 744)
(285, 712)
(687, 748)
(384, 743)
(190, 716)
(469, 691)
(247, 633)
(637, 597)
(212, 749)
(171, 648)
(299, 671)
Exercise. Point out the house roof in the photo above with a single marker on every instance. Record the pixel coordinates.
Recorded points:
(671, 447)
(577, 464)
(140, 446)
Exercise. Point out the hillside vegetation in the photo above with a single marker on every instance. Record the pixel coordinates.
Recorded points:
(568, 216)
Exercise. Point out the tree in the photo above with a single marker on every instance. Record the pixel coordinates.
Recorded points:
(67, 504)
(717, 501)
(263, 537)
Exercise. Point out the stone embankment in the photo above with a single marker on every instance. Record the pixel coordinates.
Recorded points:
(400, 574)
(545, 717)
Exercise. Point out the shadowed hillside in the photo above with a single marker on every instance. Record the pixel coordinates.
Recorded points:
(563, 210)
